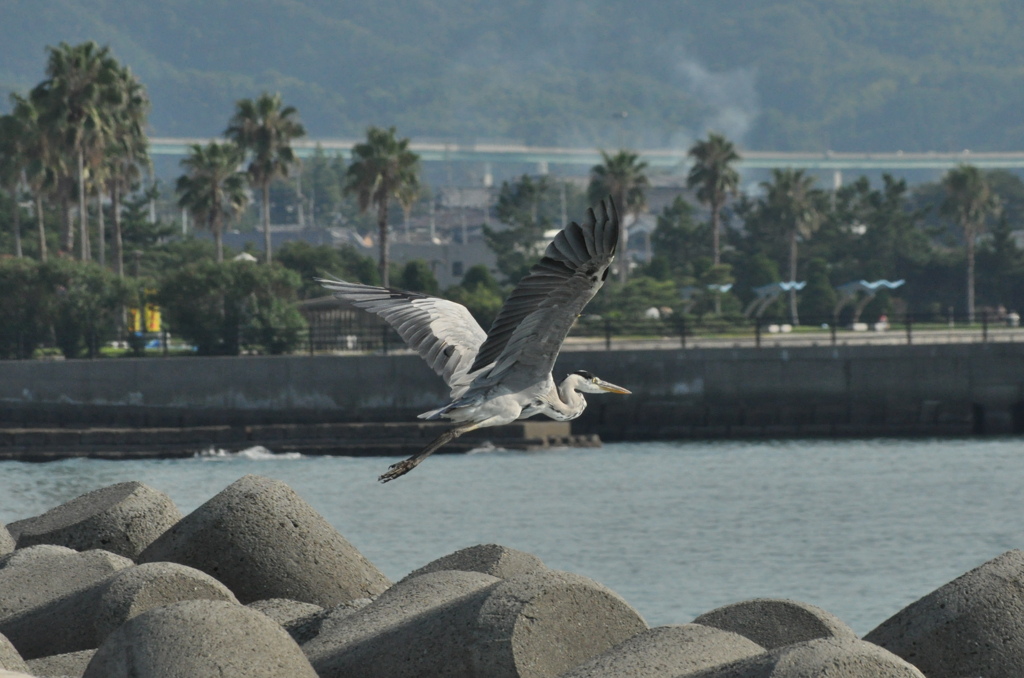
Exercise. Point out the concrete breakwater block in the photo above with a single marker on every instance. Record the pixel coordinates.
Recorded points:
(493, 559)
(670, 651)
(972, 626)
(820, 658)
(200, 638)
(67, 664)
(775, 622)
(6, 540)
(286, 612)
(123, 518)
(539, 624)
(10, 658)
(261, 540)
(81, 620)
(345, 627)
(4, 673)
(37, 575)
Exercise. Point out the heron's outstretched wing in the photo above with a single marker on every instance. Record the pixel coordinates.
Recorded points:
(443, 332)
(530, 328)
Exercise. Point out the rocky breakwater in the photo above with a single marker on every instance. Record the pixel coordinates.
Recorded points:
(254, 582)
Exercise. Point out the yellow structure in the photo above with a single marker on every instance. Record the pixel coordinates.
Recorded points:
(148, 321)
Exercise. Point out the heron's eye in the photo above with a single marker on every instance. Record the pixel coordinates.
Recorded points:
(594, 380)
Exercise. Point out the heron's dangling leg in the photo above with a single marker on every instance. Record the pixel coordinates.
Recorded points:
(403, 467)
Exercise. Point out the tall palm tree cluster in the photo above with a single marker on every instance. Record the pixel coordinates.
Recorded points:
(213, 188)
(79, 135)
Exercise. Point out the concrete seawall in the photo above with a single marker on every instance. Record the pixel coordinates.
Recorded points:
(823, 391)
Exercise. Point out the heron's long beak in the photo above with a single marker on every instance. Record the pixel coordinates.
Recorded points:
(612, 388)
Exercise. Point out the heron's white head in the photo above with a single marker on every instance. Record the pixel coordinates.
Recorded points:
(585, 382)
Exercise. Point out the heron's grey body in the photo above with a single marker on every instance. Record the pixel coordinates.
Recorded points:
(500, 376)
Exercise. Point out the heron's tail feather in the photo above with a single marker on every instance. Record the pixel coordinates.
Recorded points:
(459, 403)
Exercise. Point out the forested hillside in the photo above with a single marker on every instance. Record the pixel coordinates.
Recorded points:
(772, 74)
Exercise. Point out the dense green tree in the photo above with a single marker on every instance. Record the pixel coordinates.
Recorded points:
(138, 231)
(969, 203)
(165, 258)
(521, 209)
(480, 293)
(212, 189)
(818, 299)
(24, 302)
(264, 128)
(317, 261)
(85, 309)
(382, 168)
(630, 301)
(1001, 268)
(223, 308)
(875, 233)
(323, 178)
(715, 179)
(622, 176)
(679, 240)
(416, 276)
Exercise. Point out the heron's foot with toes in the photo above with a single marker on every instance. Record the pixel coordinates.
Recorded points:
(398, 470)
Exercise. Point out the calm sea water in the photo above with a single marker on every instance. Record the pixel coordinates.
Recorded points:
(860, 528)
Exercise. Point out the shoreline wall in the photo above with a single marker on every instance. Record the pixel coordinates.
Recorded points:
(954, 389)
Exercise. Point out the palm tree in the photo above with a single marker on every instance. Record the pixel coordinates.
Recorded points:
(36, 167)
(213, 188)
(127, 153)
(382, 168)
(265, 128)
(969, 202)
(73, 103)
(715, 179)
(794, 204)
(622, 176)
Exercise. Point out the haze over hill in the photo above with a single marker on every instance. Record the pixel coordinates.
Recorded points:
(916, 75)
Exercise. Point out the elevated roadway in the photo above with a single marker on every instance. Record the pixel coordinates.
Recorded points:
(544, 157)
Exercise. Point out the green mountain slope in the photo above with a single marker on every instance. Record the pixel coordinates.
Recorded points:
(783, 74)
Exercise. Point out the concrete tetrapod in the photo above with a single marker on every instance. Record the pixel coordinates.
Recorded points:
(535, 625)
(81, 620)
(10, 658)
(286, 612)
(672, 651)
(199, 638)
(972, 626)
(6, 540)
(261, 540)
(123, 518)
(493, 559)
(67, 664)
(37, 575)
(820, 658)
(344, 628)
(775, 622)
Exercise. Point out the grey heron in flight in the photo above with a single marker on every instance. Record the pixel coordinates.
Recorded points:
(500, 376)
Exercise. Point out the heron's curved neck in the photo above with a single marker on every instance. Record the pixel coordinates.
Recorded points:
(572, 401)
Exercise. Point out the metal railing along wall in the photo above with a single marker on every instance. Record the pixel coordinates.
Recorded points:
(342, 336)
